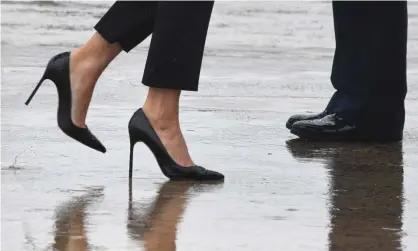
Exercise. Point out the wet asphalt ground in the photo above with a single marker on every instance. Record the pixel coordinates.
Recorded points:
(263, 62)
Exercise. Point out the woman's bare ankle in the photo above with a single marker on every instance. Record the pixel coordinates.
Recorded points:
(161, 109)
(160, 119)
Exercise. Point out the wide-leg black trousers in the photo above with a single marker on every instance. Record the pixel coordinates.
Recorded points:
(369, 68)
(178, 31)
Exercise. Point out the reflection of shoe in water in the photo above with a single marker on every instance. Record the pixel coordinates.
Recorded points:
(140, 218)
(140, 130)
(70, 233)
(155, 225)
(58, 71)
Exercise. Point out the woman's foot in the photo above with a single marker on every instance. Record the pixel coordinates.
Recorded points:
(162, 110)
(172, 138)
(87, 63)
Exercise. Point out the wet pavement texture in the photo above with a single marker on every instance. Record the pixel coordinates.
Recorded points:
(263, 62)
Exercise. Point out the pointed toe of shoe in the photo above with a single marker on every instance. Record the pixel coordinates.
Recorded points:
(207, 174)
(84, 136)
(100, 147)
(201, 173)
(197, 173)
(95, 144)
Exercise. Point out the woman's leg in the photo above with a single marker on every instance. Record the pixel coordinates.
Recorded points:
(124, 26)
(86, 65)
(173, 65)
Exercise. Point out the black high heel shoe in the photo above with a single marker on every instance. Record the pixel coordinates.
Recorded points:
(140, 130)
(58, 71)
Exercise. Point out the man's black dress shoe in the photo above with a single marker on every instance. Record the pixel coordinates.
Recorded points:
(332, 127)
(299, 117)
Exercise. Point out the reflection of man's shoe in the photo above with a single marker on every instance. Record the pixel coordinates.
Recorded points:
(357, 153)
(332, 127)
(299, 117)
(365, 192)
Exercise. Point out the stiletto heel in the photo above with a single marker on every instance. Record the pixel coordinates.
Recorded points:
(140, 130)
(36, 89)
(131, 156)
(58, 71)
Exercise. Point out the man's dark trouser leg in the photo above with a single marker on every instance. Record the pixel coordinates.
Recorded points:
(369, 68)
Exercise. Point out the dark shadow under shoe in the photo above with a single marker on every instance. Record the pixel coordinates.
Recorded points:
(58, 71)
(332, 127)
(140, 130)
(299, 117)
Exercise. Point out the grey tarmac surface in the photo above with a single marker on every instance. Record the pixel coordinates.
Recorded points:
(264, 61)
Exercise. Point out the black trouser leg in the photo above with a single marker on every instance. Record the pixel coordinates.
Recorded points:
(177, 45)
(179, 33)
(369, 68)
(128, 23)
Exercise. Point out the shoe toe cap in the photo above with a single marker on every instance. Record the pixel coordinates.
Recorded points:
(206, 174)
